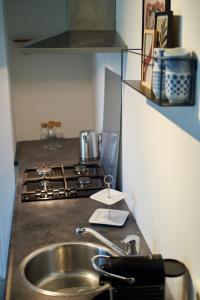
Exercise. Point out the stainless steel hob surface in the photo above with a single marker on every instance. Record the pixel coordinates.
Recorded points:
(61, 181)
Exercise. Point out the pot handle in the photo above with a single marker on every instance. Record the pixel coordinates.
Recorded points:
(130, 280)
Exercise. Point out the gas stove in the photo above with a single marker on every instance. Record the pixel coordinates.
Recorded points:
(62, 181)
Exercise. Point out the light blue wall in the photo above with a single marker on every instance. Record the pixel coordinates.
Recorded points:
(7, 178)
(161, 154)
(187, 118)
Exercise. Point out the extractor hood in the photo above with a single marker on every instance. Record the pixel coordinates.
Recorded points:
(80, 41)
(91, 28)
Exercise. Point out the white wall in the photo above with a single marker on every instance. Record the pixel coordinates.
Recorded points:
(52, 87)
(7, 181)
(33, 19)
(44, 86)
(102, 61)
(161, 151)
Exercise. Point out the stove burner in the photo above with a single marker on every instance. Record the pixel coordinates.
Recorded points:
(62, 182)
(84, 180)
(43, 170)
(80, 169)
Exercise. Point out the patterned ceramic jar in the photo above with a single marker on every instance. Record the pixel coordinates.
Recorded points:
(177, 86)
(178, 75)
(158, 82)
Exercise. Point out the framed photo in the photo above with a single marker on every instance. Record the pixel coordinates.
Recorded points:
(163, 24)
(150, 8)
(149, 43)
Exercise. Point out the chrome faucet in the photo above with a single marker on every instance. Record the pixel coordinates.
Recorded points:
(132, 242)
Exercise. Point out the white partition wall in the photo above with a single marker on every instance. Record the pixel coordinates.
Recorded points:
(7, 178)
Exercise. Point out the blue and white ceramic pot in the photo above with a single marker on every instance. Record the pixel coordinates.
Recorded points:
(178, 75)
(158, 81)
(177, 86)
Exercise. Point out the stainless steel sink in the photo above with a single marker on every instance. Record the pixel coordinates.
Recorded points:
(64, 270)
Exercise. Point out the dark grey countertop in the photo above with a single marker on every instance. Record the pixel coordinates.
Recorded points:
(37, 224)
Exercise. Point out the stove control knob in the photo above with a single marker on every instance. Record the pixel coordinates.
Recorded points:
(25, 198)
(43, 195)
(73, 191)
(49, 193)
(56, 194)
(38, 194)
(61, 191)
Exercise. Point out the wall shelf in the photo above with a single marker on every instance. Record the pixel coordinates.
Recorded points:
(137, 86)
(147, 92)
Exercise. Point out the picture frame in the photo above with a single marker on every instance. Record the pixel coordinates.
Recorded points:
(149, 43)
(163, 24)
(150, 7)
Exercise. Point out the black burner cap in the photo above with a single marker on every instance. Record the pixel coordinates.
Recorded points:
(84, 180)
(80, 169)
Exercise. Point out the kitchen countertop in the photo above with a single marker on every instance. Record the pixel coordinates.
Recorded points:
(37, 224)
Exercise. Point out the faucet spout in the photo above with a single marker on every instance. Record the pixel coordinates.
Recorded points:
(104, 240)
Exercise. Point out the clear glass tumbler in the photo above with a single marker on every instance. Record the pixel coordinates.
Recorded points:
(44, 134)
(51, 136)
(59, 136)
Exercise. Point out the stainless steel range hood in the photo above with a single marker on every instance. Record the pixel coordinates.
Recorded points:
(91, 28)
(80, 41)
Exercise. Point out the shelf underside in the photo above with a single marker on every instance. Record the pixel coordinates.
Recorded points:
(80, 41)
(136, 85)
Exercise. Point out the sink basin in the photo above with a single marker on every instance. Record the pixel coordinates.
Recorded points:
(64, 270)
